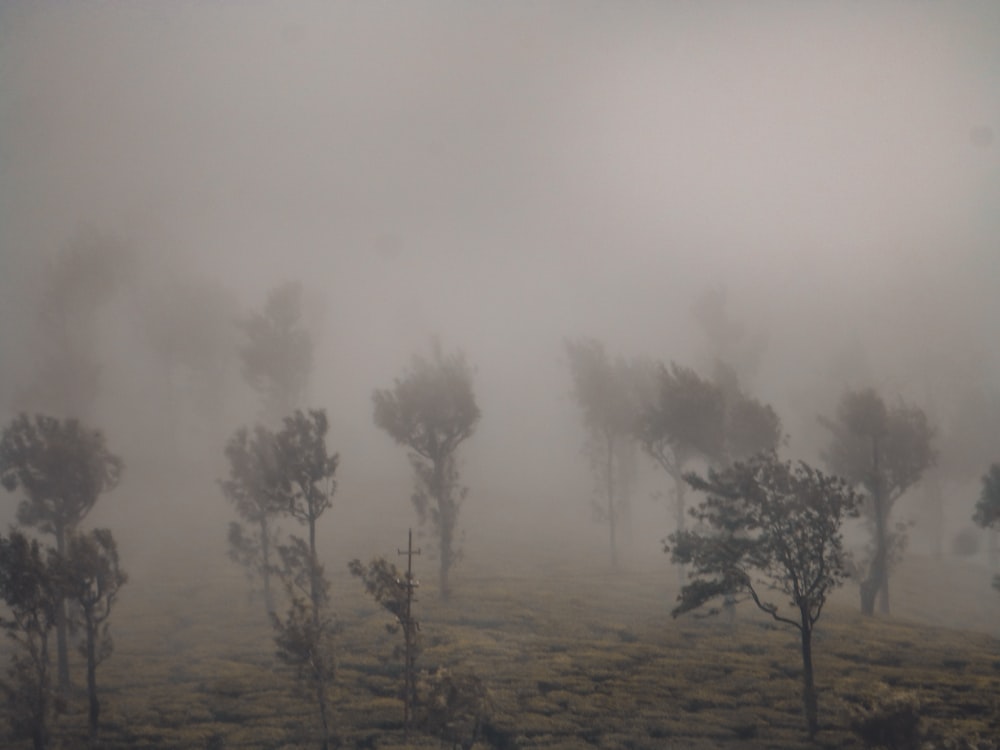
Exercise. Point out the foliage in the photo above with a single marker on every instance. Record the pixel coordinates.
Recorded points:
(255, 487)
(31, 587)
(387, 585)
(888, 719)
(454, 706)
(63, 468)
(277, 356)
(884, 450)
(432, 410)
(93, 577)
(773, 527)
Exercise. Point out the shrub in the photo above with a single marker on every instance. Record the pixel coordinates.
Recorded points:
(888, 719)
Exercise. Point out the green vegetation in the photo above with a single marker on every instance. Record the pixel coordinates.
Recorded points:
(572, 657)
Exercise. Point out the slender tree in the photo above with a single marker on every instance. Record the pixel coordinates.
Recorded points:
(605, 391)
(432, 410)
(257, 490)
(885, 451)
(771, 527)
(31, 587)
(987, 513)
(277, 356)
(93, 578)
(307, 475)
(62, 468)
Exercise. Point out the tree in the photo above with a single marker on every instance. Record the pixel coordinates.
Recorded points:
(277, 357)
(255, 488)
(305, 641)
(987, 513)
(306, 472)
(92, 580)
(31, 588)
(606, 394)
(772, 527)
(393, 590)
(885, 451)
(63, 468)
(81, 280)
(432, 410)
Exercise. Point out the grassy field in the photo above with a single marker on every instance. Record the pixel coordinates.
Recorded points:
(574, 656)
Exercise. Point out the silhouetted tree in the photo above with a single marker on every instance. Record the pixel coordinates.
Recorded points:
(771, 527)
(93, 578)
(987, 513)
(606, 393)
(63, 468)
(431, 411)
(306, 471)
(257, 491)
(31, 586)
(885, 451)
(277, 357)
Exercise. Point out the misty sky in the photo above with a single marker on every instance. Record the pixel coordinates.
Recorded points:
(508, 174)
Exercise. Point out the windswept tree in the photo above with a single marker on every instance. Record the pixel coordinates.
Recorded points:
(277, 356)
(432, 410)
(62, 468)
(31, 588)
(987, 513)
(770, 527)
(93, 577)
(607, 393)
(257, 490)
(885, 451)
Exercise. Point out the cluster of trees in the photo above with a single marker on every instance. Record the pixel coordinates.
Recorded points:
(61, 469)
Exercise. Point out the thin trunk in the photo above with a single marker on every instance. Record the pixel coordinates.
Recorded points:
(321, 697)
(808, 685)
(878, 577)
(611, 498)
(95, 706)
(62, 641)
(314, 594)
(265, 553)
(679, 520)
(446, 529)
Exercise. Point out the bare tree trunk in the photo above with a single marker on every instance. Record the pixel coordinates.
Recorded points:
(324, 720)
(611, 498)
(62, 640)
(95, 706)
(809, 699)
(679, 519)
(447, 523)
(265, 553)
(878, 574)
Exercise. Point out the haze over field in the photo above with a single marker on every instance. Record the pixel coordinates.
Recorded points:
(504, 176)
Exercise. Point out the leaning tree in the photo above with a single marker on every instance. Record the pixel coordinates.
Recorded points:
(62, 468)
(432, 410)
(883, 450)
(769, 527)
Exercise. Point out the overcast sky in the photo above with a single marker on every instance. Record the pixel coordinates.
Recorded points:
(507, 174)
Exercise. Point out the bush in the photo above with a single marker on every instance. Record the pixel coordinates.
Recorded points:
(888, 719)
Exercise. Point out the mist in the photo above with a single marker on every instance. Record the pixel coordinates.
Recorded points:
(502, 177)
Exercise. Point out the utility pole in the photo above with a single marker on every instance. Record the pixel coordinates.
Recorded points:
(410, 628)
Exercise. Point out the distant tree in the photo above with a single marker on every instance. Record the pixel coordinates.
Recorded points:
(686, 419)
(432, 410)
(74, 287)
(257, 491)
(987, 513)
(63, 468)
(605, 391)
(31, 588)
(770, 527)
(307, 473)
(885, 451)
(277, 356)
(93, 578)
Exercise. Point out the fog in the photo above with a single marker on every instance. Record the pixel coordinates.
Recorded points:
(502, 176)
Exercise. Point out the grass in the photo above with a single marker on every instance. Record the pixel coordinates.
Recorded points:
(574, 657)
